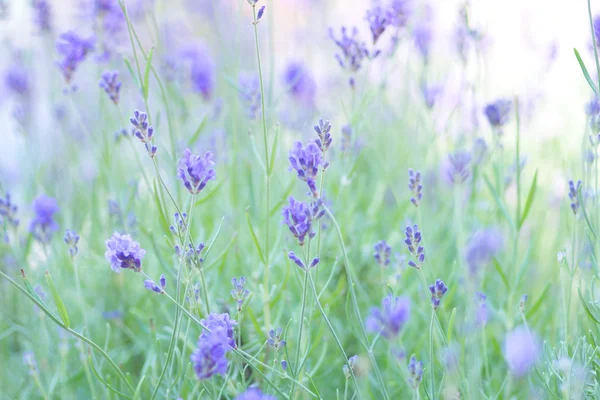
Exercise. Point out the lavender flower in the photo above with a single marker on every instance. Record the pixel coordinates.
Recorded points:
(415, 372)
(221, 321)
(284, 365)
(438, 290)
(42, 15)
(43, 224)
(592, 108)
(482, 310)
(413, 243)
(306, 161)
(239, 293)
(382, 253)
(348, 369)
(597, 29)
(180, 226)
(520, 351)
(299, 217)
(482, 248)
(260, 14)
(323, 130)
(254, 393)
(275, 341)
(574, 189)
(73, 50)
(430, 94)
(143, 131)
(423, 36)
(151, 285)
(202, 70)
(163, 281)
(292, 256)
(498, 113)
(389, 320)
(111, 85)
(457, 167)
(72, 239)
(353, 50)
(249, 94)
(209, 357)
(415, 186)
(300, 83)
(378, 20)
(124, 253)
(191, 256)
(195, 171)
(8, 211)
(16, 80)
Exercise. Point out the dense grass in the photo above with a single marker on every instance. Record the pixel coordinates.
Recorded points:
(72, 328)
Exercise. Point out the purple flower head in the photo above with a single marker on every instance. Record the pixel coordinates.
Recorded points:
(415, 186)
(16, 80)
(457, 169)
(430, 94)
(597, 29)
(220, 321)
(72, 239)
(275, 340)
(254, 393)
(43, 224)
(143, 131)
(163, 281)
(353, 50)
(111, 85)
(348, 369)
(151, 285)
(323, 130)
(437, 290)
(520, 351)
(390, 318)
(195, 171)
(592, 108)
(574, 189)
(498, 112)
(382, 253)
(299, 217)
(306, 161)
(42, 15)
(249, 94)
(399, 12)
(191, 256)
(378, 20)
(260, 14)
(423, 36)
(413, 243)
(415, 372)
(300, 83)
(482, 314)
(239, 293)
(8, 211)
(482, 248)
(124, 253)
(73, 50)
(202, 70)
(210, 356)
(180, 226)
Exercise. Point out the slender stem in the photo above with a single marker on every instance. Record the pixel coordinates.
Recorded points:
(431, 359)
(36, 379)
(302, 312)
(486, 361)
(267, 175)
(349, 274)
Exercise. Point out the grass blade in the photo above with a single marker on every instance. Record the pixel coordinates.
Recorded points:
(529, 201)
(585, 72)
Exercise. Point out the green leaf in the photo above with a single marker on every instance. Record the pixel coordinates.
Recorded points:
(30, 288)
(585, 72)
(538, 302)
(529, 201)
(256, 152)
(585, 306)
(198, 131)
(273, 149)
(133, 75)
(60, 306)
(501, 273)
(147, 73)
(499, 203)
(254, 238)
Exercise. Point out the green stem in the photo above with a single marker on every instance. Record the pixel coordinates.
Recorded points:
(431, 359)
(36, 379)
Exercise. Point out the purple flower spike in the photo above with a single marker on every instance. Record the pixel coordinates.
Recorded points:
(195, 171)
(275, 341)
(457, 169)
(249, 94)
(300, 83)
(348, 369)
(306, 161)
(299, 218)
(378, 20)
(390, 318)
(124, 253)
(43, 224)
(292, 256)
(42, 15)
(498, 112)
(438, 290)
(111, 85)
(143, 131)
(574, 189)
(163, 281)
(74, 51)
(482, 310)
(597, 29)
(382, 253)
(415, 372)
(254, 393)
(151, 285)
(72, 239)
(482, 248)
(323, 130)
(413, 243)
(415, 186)
(430, 94)
(209, 357)
(353, 50)
(400, 11)
(260, 14)
(8, 211)
(224, 321)
(16, 80)
(520, 351)
(239, 293)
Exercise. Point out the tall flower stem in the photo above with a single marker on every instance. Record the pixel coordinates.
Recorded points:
(349, 276)
(298, 366)
(267, 174)
(431, 358)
